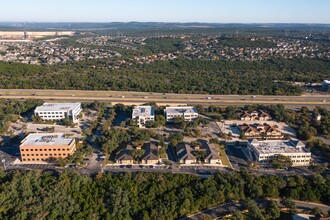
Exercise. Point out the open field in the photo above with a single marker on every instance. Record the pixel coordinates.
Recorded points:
(130, 98)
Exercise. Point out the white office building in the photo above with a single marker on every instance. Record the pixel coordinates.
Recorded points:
(188, 113)
(58, 111)
(266, 150)
(143, 114)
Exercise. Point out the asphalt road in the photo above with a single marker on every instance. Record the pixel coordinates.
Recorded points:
(224, 209)
(130, 98)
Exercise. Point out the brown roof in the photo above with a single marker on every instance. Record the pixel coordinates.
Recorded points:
(151, 152)
(183, 152)
(124, 154)
(246, 128)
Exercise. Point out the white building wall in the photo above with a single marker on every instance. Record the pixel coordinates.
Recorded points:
(187, 116)
(298, 159)
(59, 115)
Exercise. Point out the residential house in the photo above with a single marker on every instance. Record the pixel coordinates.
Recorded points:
(150, 156)
(260, 130)
(212, 156)
(124, 155)
(184, 154)
(256, 115)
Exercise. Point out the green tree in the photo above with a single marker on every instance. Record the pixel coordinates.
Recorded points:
(288, 203)
(273, 211)
(281, 162)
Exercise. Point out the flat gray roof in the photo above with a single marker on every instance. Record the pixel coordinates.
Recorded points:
(278, 146)
(181, 110)
(46, 139)
(57, 106)
(143, 111)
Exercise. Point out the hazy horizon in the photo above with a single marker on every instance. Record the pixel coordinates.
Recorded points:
(171, 11)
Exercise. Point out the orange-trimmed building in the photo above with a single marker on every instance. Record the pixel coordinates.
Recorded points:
(41, 147)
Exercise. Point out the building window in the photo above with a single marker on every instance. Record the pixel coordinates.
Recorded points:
(24, 159)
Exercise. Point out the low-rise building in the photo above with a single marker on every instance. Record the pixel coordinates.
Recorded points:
(260, 131)
(41, 147)
(187, 154)
(143, 114)
(212, 156)
(265, 151)
(184, 154)
(58, 111)
(256, 115)
(124, 155)
(187, 112)
(150, 156)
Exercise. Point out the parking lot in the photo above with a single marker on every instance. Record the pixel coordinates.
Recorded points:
(41, 128)
(136, 166)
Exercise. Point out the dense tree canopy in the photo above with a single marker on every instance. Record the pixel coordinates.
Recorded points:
(179, 76)
(47, 195)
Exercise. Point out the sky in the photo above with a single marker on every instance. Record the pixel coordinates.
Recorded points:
(214, 11)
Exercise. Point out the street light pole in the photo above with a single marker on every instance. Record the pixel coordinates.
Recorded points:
(4, 163)
(101, 165)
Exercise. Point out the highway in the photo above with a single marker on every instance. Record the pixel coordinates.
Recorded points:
(172, 99)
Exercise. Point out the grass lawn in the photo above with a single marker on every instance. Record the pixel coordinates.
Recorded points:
(224, 159)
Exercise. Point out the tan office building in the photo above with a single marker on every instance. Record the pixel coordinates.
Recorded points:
(41, 147)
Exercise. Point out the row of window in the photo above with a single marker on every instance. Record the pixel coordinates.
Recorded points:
(34, 159)
(49, 149)
(45, 113)
(52, 116)
(293, 161)
(299, 161)
(302, 156)
(46, 155)
(186, 116)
